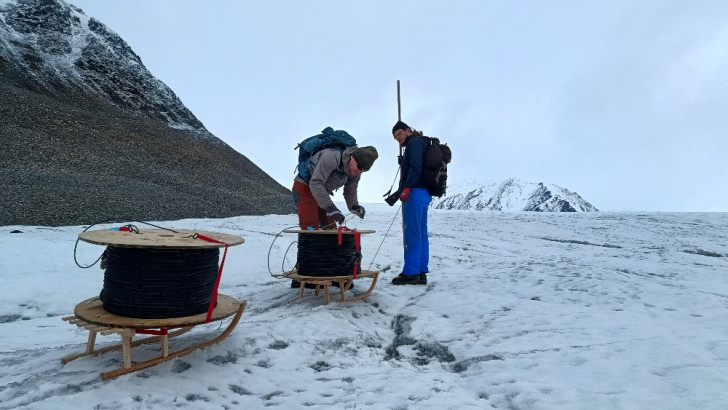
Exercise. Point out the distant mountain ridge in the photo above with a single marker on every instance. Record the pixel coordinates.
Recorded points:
(513, 195)
(88, 134)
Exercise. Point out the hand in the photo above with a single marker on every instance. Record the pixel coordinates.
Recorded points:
(358, 210)
(404, 196)
(333, 212)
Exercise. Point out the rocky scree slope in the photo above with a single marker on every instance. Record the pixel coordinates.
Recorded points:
(88, 134)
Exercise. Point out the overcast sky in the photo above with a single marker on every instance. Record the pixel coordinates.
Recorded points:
(624, 102)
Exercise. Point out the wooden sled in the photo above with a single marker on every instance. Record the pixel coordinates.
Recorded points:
(91, 315)
(344, 283)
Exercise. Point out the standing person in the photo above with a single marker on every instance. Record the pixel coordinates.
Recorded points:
(415, 202)
(331, 169)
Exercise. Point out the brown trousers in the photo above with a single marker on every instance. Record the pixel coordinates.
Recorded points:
(309, 213)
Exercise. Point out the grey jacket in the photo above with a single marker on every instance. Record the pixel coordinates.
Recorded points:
(328, 173)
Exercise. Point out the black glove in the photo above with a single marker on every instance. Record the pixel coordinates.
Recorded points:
(358, 210)
(392, 199)
(333, 212)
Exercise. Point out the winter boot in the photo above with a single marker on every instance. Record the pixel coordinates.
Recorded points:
(407, 280)
(423, 278)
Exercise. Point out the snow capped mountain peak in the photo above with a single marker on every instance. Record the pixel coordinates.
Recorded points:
(512, 195)
(54, 48)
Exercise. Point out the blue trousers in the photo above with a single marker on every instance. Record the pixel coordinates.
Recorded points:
(416, 244)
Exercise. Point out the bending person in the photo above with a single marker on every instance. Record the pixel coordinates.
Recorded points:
(330, 169)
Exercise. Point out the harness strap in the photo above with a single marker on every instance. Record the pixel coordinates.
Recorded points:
(213, 300)
(161, 332)
(357, 247)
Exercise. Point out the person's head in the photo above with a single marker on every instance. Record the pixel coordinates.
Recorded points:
(401, 131)
(361, 160)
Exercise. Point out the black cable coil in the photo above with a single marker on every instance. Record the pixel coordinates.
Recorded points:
(321, 255)
(158, 283)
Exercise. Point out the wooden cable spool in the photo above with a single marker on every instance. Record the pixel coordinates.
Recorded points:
(91, 314)
(326, 278)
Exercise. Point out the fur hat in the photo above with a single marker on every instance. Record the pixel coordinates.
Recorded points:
(399, 126)
(365, 157)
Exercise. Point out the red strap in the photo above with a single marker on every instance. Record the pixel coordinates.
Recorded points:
(160, 332)
(357, 246)
(219, 273)
(207, 238)
(341, 228)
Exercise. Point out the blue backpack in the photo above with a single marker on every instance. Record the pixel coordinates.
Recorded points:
(328, 138)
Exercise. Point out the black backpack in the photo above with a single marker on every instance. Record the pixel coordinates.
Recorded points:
(434, 168)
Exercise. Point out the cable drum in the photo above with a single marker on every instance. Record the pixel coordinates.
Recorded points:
(321, 255)
(159, 283)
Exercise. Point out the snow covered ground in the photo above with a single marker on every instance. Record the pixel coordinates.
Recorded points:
(523, 311)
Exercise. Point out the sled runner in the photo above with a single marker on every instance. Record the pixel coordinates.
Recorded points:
(344, 283)
(90, 314)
